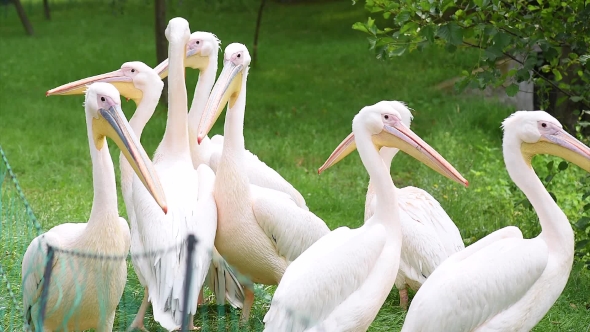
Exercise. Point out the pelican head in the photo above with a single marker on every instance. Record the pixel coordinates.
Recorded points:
(177, 30)
(236, 61)
(387, 129)
(103, 107)
(202, 47)
(131, 80)
(348, 144)
(537, 132)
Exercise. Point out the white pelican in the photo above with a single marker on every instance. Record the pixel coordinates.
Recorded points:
(84, 292)
(260, 230)
(341, 281)
(504, 282)
(429, 235)
(191, 206)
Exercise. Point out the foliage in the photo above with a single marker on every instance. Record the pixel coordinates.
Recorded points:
(499, 29)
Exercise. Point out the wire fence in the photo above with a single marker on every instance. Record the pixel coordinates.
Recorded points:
(70, 285)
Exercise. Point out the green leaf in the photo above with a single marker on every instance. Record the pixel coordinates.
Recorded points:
(493, 52)
(451, 33)
(557, 74)
(409, 27)
(582, 243)
(398, 51)
(478, 3)
(402, 17)
(428, 32)
(563, 166)
(560, 100)
(360, 27)
(550, 166)
(582, 223)
(512, 90)
(502, 39)
(576, 99)
(548, 179)
(451, 48)
(587, 207)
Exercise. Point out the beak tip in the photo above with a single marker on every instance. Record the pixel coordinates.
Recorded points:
(466, 183)
(199, 139)
(165, 209)
(320, 170)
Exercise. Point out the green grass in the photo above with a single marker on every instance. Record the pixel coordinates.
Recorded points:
(314, 74)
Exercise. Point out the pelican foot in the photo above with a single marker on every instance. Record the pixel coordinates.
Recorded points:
(191, 325)
(135, 328)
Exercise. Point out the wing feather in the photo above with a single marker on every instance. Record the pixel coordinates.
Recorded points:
(290, 227)
(423, 208)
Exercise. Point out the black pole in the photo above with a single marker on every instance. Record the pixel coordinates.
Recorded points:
(46, 279)
(258, 20)
(190, 244)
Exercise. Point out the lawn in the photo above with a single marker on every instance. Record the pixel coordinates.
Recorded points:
(314, 73)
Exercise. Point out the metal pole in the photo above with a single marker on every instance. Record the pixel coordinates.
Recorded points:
(191, 241)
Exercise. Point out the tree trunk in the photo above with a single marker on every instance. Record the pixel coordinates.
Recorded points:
(46, 9)
(564, 110)
(161, 42)
(23, 17)
(256, 32)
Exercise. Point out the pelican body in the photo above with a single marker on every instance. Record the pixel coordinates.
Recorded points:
(342, 280)
(429, 235)
(504, 282)
(84, 292)
(260, 230)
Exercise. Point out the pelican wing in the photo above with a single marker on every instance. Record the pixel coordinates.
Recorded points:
(424, 209)
(291, 228)
(467, 291)
(422, 250)
(261, 174)
(223, 281)
(318, 283)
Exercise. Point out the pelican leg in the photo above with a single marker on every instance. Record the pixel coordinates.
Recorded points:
(200, 300)
(138, 321)
(248, 302)
(191, 324)
(403, 299)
